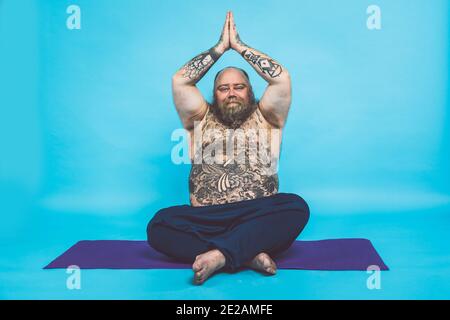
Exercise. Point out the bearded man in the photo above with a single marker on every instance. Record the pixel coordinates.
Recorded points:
(236, 217)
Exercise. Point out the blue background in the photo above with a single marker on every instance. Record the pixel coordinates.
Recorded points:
(87, 117)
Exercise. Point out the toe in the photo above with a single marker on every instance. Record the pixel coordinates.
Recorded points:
(198, 265)
(195, 267)
(200, 276)
(268, 264)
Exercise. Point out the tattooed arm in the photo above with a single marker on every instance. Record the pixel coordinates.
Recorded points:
(189, 102)
(276, 100)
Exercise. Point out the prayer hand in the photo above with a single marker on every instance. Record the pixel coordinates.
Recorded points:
(224, 41)
(235, 40)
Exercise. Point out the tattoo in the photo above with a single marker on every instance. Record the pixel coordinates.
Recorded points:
(218, 184)
(239, 41)
(214, 55)
(230, 181)
(266, 65)
(197, 67)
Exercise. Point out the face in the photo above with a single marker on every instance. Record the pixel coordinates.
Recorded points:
(233, 101)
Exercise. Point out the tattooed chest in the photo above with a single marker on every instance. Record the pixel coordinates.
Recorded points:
(231, 169)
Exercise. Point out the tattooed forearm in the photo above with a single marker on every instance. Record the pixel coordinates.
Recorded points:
(263, 64)
(196, 68)
(240, 42)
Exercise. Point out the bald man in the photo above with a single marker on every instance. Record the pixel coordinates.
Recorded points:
(236, 217)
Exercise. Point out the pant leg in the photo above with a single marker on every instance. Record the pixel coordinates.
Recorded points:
(262, 225)
(180, 245)
(271, 233)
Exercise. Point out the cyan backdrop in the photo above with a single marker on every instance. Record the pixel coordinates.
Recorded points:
(87, 117)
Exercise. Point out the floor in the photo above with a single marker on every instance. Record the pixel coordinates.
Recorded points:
(411, 243)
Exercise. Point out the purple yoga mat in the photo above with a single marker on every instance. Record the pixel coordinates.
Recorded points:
(333, 254)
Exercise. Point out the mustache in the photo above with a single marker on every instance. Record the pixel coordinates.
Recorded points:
(234, 100)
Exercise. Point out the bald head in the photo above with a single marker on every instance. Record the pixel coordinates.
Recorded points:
(232, 70)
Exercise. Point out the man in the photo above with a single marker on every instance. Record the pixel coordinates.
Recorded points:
(236, 218)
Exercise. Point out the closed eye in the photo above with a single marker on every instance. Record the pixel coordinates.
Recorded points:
(237, 87)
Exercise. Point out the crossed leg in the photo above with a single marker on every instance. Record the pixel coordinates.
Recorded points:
(251, 243)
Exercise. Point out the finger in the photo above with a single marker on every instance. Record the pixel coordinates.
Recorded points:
(232, 24)
(225, 30)
(225, 25)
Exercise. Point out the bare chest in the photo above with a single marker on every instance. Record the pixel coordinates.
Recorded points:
(233, 164)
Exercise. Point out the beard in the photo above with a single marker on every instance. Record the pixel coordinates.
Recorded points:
(233, 112)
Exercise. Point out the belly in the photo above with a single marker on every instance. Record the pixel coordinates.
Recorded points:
(211, 184)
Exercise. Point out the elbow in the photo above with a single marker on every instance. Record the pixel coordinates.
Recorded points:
(178, 79)
(285, 76)
(178, 76)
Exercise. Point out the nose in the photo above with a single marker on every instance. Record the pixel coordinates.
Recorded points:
(231, 93)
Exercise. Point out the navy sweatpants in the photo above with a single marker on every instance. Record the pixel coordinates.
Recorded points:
(240, 230)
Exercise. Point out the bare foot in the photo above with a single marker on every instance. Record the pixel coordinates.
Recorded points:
(206, 264)
(263, 262)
